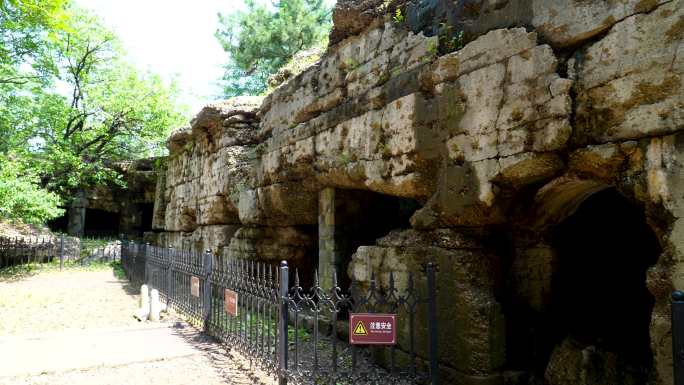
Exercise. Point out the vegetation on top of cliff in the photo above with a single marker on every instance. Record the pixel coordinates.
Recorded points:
(263, 38)
(299, 62)
(71, 106)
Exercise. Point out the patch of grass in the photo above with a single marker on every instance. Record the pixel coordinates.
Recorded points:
(118, 270)
(14, 273)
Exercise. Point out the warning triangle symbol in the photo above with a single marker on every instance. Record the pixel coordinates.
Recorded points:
(360, 329)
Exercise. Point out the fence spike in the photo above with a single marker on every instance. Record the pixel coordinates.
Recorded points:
(409, 287)
(391, 281)
(296, 277)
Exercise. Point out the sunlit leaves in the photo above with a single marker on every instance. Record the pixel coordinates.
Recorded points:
(21, 196)
(71, 106)
(265, 36)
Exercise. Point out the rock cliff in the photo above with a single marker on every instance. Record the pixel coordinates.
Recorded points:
(466, 134)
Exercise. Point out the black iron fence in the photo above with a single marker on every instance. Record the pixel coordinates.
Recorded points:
(98, 250)
(299, 334)
(43, 250)
(678, 336)
(30, 250)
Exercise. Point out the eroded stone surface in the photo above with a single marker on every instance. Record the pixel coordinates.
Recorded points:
(629, 84)
(507, 135)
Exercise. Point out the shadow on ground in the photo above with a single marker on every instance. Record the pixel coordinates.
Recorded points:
(231, 366)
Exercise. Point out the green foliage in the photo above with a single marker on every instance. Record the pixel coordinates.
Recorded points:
(70, 104)
(350, 65)
(21, 196)
(299, 62)
(264, 37)
(433, 48)
(398, 17)
(449, 40)
(118, 270)
(113, 111)
(24, 27)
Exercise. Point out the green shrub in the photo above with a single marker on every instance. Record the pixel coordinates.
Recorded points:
(22, 197)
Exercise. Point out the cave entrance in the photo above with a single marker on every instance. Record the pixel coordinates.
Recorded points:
(101, 223)
(352, 218)
(146, 215)
(59, 224)
(600, 306)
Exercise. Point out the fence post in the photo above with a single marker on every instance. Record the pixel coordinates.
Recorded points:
(147, 260)
(169, 277)
(283, 321)
(432, 323)
(206, 301)
(678, 336)
(61, 251)
(126, 258)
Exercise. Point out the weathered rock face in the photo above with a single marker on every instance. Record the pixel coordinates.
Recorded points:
(472, 315)
(210, 164)
(491, 125)
(629, 84)
(351, 17)
(128, 208)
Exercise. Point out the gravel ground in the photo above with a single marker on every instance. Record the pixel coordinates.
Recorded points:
(53, 301)
(49, 305)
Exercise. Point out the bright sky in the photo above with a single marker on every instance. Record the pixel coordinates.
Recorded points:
(171, 38)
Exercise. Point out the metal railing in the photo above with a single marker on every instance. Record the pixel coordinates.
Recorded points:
(296, 333)
(678, 336)
(32, 250)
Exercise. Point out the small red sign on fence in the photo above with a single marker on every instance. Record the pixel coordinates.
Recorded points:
(231, 302)
(372, 329)
(194, 286)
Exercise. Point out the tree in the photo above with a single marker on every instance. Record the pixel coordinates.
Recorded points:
(70, 104)
(21, 196)
(26, 64)
(112, 111)
(263, 38)
(24, 27)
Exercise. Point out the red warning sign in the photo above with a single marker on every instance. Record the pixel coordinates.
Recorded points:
(194, 286)
(231, 302)
(372, 329)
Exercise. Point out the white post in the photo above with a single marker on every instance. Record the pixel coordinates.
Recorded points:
(144, 310)
(155, 307)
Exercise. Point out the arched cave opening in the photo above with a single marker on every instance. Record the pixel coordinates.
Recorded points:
(101, 223)
(599, 293)
(591, 313)
(361, 217)
(59, 224)
(146, 213)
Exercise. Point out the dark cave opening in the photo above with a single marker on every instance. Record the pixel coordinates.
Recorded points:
(146, 213)
(598, 299)
(59, 224)
(599, 285)
(101, 223)
(361, 217)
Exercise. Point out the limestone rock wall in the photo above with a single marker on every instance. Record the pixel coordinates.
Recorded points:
(131, 204)
(498, 118)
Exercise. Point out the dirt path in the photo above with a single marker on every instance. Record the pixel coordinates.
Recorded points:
(76, 327)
